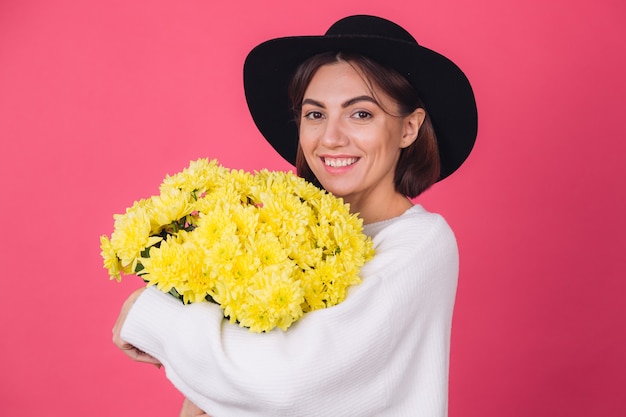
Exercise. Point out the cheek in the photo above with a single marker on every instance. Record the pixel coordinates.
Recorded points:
(306, 142)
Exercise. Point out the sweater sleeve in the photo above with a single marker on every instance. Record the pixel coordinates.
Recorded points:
(363, 357)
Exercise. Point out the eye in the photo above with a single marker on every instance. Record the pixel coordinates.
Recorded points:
(313, 115)
(362, 114)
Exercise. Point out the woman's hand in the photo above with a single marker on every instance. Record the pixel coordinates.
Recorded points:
(191, 410)
(130, 351)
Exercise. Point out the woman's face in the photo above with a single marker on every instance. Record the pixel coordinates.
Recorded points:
(350, 143)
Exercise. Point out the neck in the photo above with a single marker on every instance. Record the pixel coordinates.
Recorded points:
(381, 209)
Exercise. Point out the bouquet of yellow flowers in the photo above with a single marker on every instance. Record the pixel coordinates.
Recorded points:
(267, 247)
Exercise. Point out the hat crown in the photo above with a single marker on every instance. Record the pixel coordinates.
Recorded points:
(363, 26)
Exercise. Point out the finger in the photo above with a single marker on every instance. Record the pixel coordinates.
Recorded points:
(189, 409)
(138, 355)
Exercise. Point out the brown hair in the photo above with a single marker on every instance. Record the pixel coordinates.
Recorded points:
(418, 166)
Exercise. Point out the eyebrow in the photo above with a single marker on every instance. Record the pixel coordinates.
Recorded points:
(345, 104)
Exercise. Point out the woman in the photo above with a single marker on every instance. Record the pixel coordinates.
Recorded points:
(375, 119)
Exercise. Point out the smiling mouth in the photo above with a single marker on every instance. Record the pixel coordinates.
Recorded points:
(339, 162)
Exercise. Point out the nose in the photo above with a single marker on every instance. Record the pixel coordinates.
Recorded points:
(334, 134)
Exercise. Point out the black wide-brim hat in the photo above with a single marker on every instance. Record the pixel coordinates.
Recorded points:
(443, 88)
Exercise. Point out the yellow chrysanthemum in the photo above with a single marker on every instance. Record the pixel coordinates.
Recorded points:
(111, 261)
(175, 264)
(170, 206)
(201, 176)
(131, 234)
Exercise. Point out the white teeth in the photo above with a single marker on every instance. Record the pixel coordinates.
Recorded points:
(339, 162)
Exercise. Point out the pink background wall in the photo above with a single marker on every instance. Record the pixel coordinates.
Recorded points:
(100, 99)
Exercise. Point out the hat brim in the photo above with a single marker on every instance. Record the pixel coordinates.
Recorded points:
(442, 86)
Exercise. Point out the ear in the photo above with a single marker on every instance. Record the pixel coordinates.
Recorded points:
(412, 124)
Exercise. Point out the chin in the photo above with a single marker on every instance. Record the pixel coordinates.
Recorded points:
(337, 191)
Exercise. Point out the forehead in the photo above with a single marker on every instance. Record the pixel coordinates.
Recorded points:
(342, 79)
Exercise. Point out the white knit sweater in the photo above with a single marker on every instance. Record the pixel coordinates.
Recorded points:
(384, 351)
